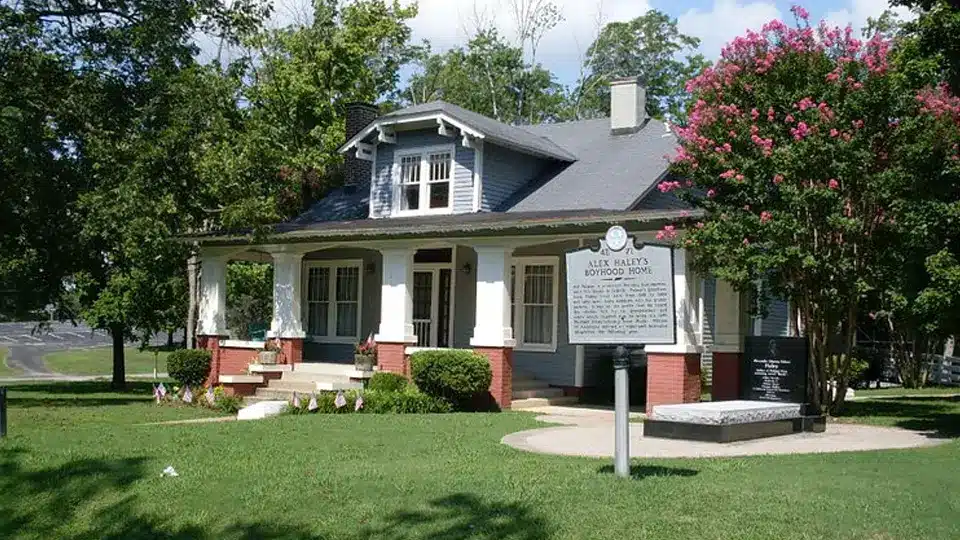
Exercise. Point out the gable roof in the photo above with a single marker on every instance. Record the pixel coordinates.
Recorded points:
(474, 124)
(613, 172)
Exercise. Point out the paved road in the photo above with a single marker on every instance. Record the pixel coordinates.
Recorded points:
(28, 344)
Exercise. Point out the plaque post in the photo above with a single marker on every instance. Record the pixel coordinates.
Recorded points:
(621, 368)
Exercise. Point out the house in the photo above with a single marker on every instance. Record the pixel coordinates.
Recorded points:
(451, 231)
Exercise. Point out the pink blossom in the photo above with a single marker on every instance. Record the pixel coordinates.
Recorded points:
(732, 133)
(778, 179)
(834, 133)
(858, 124)
(728, 174)
(739, 178)
(857, 86)
(668, 233)
(765, 216)
(770, 114)
(804, 104)
(789, 119)
(754, 113)
(833, 183)
(711, 193)
(700, 225)
(667, 186)
(800, 13)
(746, 242)
(800, 132)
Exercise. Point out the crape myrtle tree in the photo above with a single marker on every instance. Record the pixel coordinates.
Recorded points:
(805, 147)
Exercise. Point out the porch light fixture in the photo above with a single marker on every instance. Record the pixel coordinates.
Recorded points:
(371, 268)
(466, 268)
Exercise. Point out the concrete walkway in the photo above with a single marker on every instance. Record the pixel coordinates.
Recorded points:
(591, 435)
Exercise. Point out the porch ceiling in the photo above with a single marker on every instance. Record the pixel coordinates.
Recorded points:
(455, 226)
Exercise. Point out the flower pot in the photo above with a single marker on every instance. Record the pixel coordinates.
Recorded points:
(267, 357)
(363, 362)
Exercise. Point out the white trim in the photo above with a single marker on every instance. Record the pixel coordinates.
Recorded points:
(242, 344)
(454, 270)
(579, 358)
(383, 122)
(478, 178)
(520, 264)
(434, 269)
(424, 180)
(364, 151)
(387, 135)
(237, 379)
(411, 349)
(333, 265)
(373, 181)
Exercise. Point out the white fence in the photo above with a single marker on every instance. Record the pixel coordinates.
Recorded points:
(945, 370)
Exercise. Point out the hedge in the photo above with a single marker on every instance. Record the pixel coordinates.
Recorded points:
(409, 401)
(457, 376)
(189, 367)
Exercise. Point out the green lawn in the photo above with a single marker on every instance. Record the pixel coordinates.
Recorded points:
(76, 466)
(897, 392)
(99, 361)
(5, 370)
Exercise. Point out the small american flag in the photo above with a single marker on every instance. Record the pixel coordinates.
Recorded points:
(359, 404)
(295, 400)
(312, 406)
(187, 395)
(156, 393)
(341, 401)
(211, 397)
(162, 389)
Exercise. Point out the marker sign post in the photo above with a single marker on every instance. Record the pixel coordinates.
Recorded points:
(621, 294)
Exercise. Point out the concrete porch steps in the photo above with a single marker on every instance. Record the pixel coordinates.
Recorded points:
(531, 392)
(310, 377)
(536, 403)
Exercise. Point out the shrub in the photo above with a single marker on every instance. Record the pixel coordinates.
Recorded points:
(408, 401)
(458, 376)
(224, 402)
(189, 367)
(387, 382)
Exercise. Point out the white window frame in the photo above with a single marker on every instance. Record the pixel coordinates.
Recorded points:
(332, 336)
(519, 264)
(424, 153)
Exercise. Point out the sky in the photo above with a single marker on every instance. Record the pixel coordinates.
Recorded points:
(447, 23)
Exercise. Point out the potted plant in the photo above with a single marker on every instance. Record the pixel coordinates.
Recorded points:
(270, 352)
(365, 354)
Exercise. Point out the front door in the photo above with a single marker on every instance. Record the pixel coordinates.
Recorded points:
(431, 307)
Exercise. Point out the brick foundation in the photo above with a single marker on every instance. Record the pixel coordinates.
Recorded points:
(501, 363)
(726, 376)
(392, 357)
(240, 389)
(672, 379)
(291, 350)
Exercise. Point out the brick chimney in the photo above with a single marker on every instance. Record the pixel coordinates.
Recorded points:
(628, 104)
(358, 116)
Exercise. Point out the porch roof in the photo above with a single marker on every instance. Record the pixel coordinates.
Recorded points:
(453, 226)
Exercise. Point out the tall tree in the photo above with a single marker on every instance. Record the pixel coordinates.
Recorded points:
(937, 29)
(810, 153)
(651, 47)
(488, 76)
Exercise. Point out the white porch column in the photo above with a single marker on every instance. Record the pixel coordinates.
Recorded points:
(396, 297)
(493, 327)
(686, 293)
(213, 297)
(728, 336)
(286, 296)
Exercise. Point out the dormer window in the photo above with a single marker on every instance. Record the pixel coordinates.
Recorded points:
(423, 180)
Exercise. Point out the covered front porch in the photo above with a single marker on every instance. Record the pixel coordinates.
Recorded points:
(503, 296)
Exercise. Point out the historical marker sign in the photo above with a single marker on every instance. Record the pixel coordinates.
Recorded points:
(775, 369)
(621, 294)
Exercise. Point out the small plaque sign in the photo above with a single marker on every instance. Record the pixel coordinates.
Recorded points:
(621, 296)
(775, 369)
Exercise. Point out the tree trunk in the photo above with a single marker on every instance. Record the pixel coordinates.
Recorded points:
(119, 368)
(169, 339)
(190, 332)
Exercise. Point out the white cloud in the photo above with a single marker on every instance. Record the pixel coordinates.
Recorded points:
(726, 20)
(859, 10)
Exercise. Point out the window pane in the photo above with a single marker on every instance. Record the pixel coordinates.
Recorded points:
(318, 285)
(538, 284)
(440, 166)
(538, 325)
(410, 197)
(347, 319)
(440, 195)
(410, 169)
(317, 314)
(348, 283)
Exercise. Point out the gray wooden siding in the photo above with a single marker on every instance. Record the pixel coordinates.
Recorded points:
(556, 368)
(777, 321)
(369, 308)
(504, 172)
(381, 192)
(465, 298)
